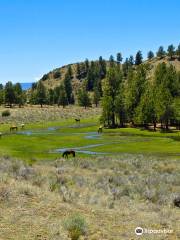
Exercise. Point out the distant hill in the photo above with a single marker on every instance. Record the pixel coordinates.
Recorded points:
(53, 78)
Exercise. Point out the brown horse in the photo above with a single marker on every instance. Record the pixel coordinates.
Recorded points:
(77, 120)
(68, 152)
(12, 128)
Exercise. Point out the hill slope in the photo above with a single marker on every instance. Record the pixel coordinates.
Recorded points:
(55, 77)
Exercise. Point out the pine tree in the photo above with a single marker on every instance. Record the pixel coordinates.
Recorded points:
(9, 94)
(68, 84)
(119, 58)
(110, 91)
(145, 112)
(19, 96)
(83, 97)
(120, 106)
(1, 94)
(51, 96)
(139, 58)
(125, 67)
(131, 60)
(86, 65)
(78, 71)
(40, 94)
(171, 51)
(160, 53)
(102, 68)
(178, 52)
(62, 97)
(150, 55)
(111, 61)
(96, 96)
(135, 87)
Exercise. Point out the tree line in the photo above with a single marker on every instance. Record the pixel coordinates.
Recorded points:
(12, 94)
(142, 98)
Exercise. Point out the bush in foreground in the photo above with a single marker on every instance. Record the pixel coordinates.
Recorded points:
(6, 113)
(76, 226)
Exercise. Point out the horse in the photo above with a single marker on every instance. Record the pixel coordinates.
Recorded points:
(100, 129)
(22, 126)
(68, 152)
(13, 128)
(77, 120)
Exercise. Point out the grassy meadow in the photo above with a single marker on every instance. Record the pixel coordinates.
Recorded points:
(120, 179)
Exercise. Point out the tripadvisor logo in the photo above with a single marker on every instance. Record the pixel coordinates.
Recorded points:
(138, 231)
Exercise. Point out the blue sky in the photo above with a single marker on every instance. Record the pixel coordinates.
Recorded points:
(37, 36)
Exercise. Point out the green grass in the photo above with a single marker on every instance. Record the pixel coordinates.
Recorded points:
(42, 142)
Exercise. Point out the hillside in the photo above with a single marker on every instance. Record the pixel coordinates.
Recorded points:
(55, 77)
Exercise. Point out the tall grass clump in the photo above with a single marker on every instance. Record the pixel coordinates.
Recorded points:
(76, 226)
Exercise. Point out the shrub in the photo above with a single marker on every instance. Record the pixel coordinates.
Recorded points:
(76, 226)
(6, 113)
(57, 74)
(4, 193)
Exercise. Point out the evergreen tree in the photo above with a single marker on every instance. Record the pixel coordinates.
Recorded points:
(78, 71)
(96, 96)
(120, 106)
(91, 77)
(69, 71)
(111, 61)
(51, 96)
(83, 97)
(119, 58)
(171, 51)
(62, 97)
(164, 107)
(34, 86)
(102, 68)
(9, 94)
(167, 85)
(1, 94)
(146, 110)
(68, 84)
(150, 55)
(108, 111)
(139, 58)
(56, 94)
(135, 87)
(160, 53)
(176, 107)
(83, 70)
(86, 65)
(125, 67)
(110, 91)
(178, 52)
(40, 94)
(19, 96)
(131, 60)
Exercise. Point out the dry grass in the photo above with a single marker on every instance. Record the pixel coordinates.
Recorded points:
(30, 114)
(114, 195)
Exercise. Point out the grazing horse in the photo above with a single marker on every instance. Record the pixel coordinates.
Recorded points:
(100, 129)
(68, 152)
(13, 128)
(77, 120)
